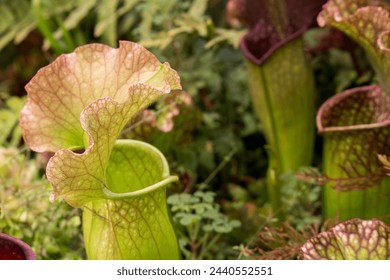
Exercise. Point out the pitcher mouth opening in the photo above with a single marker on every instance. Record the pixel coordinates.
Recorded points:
(134, 189)
(257, 48)
(368, 100)
(384, 41)
(12, 248)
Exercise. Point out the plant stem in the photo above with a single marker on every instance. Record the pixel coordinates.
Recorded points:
(205, 248)
(220, 166)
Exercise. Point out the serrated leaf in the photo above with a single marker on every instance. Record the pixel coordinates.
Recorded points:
(352, 240)
(184, 199)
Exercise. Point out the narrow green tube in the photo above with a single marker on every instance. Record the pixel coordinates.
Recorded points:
(283, 94)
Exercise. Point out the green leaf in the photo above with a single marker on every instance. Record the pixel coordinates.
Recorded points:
(182, 200)
(207, 197)
(212, 213)
(203, 208)
(9, 121)
(208, 228)
(198, 8)
(188, 219)
(44, 25)
(108, 21)
(352, 240)
(235, 223)
(81, 10)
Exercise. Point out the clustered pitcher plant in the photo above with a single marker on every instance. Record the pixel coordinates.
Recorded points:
(76, 107)
(356, 123)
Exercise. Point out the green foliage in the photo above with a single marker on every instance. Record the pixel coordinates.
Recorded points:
(216, 143)
(200, 223)
(63, 23)
(301, 199)
(52, 230)
(201, 51)
(10, 134)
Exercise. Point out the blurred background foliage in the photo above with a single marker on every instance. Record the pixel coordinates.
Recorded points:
(209, 133)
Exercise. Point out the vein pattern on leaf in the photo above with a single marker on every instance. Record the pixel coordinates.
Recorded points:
(352, 240)
(135, 227)
(356, 124)
(59, 92)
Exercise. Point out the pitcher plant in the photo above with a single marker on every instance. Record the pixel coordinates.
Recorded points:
(281, 82)
(356, 123)
(76, 107)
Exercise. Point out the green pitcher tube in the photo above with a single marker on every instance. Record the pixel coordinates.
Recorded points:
(283, 93)
(281, 83)
(356, 128)
(136, 224)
